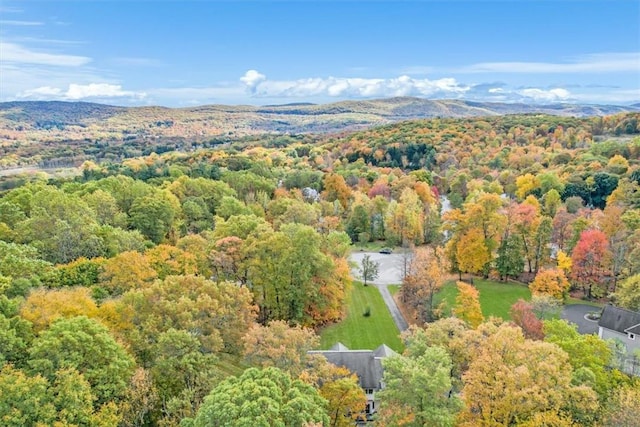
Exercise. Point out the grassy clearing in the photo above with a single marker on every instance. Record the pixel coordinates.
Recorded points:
(572, 301)
(393, 289)
(369, 246)
(230, 365)
(357, 331)
(496, 298)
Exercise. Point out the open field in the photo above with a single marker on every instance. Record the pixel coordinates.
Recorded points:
(357, 331)
(496, 298)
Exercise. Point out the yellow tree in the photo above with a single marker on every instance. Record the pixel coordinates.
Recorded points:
(484, 212)
(346, 399)
(551, 282)
(471, 252)
(43, 307)
(514, 380)
(467, 306)
(564, 262)
(168, 260)
(335, 188)
(526, 184)
(405, 219)
(622, 409)
(125, 271)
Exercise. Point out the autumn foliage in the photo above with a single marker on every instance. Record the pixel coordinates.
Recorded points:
(550, 282)
(589, 262)
(467, 305)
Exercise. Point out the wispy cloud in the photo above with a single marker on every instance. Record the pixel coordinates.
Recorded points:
(15, 53)
(46, 41)
(594, 63)
(19, 23)
(258, 85)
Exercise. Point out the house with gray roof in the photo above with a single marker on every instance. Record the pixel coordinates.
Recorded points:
(366, 364)
(624, 326)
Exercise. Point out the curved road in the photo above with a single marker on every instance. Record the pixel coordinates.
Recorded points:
(389, 273)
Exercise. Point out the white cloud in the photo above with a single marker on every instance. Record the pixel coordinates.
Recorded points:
(14, 53)
(99, 90)
(594, 63)
(252, 79)
(42, 92)
(258, 85)
(541, 95)
(77, 92)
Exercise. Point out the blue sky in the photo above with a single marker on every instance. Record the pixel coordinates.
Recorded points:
(183, 53)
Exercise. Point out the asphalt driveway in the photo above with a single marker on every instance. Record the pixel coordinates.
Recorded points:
(575, 313)
(389, 273)
(389, 267)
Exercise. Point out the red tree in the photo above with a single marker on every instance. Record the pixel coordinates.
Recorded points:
(590, 258)
(523, 316)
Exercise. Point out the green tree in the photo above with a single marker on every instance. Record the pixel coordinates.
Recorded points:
(418, 390)
(585, 352)
(85, 345)
(182, 374)
(261, 398)
(18, 261)
(66, 400)
(61, 226)
(153, 216)
(358, 223)
(15, 339)
(368, 269)
(216, 314)
(509, 262)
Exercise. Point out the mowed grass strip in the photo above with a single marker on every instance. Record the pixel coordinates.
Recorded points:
(496, 298)
(359, 332)
(393, 289)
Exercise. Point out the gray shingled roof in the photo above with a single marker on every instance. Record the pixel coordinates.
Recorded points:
(618, 319)
(367, 364)
(634, 329)
(339, 347)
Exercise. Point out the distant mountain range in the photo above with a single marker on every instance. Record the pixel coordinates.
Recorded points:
(56, 120)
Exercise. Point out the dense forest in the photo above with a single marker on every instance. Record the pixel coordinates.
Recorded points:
(185, 287)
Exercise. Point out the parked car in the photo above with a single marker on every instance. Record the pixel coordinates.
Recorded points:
(386, 251)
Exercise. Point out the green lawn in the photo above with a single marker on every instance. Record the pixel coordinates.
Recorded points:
(393, 289)
(572, 301)
(496, 298)
(369, 246)
(359, 332)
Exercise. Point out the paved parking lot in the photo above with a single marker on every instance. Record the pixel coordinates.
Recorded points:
(389, 270)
